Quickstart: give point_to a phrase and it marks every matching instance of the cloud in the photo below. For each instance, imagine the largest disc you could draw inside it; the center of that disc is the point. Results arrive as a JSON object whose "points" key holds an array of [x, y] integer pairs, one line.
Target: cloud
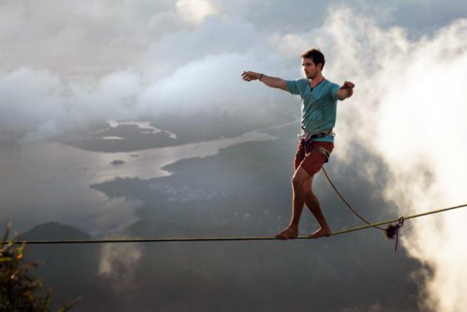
{"points": [[408, 110], [118, 262], [195, 11], [38, 104], [195, 68], [72, 36], [68, 64]]}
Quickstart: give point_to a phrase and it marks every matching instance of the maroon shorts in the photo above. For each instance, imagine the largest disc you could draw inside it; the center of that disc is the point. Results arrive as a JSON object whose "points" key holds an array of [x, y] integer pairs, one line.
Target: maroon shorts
{"points": [[310, 158]]}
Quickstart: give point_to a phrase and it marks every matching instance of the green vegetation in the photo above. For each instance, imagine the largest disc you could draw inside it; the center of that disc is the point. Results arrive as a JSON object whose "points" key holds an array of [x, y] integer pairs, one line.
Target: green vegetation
{"points": [[19, 290]]}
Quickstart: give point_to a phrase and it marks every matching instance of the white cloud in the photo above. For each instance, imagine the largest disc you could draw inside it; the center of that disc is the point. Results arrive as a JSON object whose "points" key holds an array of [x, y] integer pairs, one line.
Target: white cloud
{"points": [[75, 36], [195, 11], [408, 110], [118, 263], [38, 104], [193, 70]]}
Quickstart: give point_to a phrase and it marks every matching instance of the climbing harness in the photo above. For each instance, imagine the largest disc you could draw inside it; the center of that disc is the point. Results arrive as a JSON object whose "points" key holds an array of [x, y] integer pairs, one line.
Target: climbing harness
{"points": [[310, 136], [323, 151], [307, 138]]}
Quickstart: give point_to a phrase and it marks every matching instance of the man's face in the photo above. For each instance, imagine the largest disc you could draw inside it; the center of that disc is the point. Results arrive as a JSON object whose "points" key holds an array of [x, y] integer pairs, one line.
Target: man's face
{"points": [[311, 70]]}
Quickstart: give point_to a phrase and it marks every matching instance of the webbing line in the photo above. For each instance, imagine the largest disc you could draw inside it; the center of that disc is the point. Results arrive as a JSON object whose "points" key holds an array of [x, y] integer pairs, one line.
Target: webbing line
{"points": [[217, 239]]}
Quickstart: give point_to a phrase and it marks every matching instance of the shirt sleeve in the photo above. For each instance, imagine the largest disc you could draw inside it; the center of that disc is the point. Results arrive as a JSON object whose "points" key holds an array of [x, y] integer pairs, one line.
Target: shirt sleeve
{"points": [[292, 86], [334, 88]]}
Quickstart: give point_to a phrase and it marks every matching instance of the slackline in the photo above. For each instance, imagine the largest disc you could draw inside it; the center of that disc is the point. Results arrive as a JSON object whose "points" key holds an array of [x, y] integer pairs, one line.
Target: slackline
{"points": [[217, 239]]}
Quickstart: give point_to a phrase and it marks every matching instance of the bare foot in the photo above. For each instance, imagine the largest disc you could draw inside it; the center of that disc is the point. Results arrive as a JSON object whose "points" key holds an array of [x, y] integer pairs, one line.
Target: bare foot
{"points": [[288, 233], [320, 233]]}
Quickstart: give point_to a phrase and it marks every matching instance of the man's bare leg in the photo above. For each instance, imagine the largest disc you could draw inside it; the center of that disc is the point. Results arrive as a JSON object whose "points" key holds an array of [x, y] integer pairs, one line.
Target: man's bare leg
{"points": [[299, 181], [315, 208]]}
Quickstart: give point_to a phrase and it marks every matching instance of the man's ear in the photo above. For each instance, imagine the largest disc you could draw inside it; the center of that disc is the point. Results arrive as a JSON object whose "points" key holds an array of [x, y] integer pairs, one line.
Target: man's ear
{"points": [[320, 66]]}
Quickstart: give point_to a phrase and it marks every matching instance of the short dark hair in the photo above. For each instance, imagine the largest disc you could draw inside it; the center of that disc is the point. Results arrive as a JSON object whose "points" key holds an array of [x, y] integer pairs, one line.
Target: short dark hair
{"points": [[316, 56]]}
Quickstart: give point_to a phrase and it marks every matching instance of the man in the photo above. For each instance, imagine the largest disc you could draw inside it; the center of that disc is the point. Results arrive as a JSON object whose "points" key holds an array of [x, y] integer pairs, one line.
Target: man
{"points": [[319, 102]]}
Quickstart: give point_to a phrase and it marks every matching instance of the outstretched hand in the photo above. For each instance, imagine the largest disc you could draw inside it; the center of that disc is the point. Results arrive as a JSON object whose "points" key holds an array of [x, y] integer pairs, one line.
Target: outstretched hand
{"points": [[249, 75], [348, 85], [346, 90]]}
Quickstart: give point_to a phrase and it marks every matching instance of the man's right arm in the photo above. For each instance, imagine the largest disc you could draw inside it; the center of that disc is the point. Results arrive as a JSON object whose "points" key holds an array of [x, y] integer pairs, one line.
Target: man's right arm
{"points": [[272, 82]]}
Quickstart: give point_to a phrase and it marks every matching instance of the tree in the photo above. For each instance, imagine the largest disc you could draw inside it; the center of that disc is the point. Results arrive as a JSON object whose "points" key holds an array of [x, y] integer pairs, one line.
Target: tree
{"points": [[19, 290]]}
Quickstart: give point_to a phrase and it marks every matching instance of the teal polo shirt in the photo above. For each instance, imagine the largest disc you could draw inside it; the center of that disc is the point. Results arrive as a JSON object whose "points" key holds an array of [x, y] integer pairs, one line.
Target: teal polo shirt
{"points": [[319, 106]]}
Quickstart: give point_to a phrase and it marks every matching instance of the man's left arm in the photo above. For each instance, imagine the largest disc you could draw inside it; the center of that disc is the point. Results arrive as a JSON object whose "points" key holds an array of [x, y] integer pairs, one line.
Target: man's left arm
{"points": [[346, 90]]}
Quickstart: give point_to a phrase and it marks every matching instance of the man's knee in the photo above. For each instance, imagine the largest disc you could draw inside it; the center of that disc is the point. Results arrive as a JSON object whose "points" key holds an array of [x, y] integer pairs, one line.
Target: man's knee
{"points": [[301, 178]]}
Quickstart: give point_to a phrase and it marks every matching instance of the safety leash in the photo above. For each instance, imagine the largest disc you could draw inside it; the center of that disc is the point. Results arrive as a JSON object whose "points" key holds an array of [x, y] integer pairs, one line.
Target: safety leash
{"points": [[391, 231]]}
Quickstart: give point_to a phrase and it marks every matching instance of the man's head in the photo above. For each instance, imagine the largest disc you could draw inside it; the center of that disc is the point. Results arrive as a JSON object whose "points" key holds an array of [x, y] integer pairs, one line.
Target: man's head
{"points": [[313, 63]]}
